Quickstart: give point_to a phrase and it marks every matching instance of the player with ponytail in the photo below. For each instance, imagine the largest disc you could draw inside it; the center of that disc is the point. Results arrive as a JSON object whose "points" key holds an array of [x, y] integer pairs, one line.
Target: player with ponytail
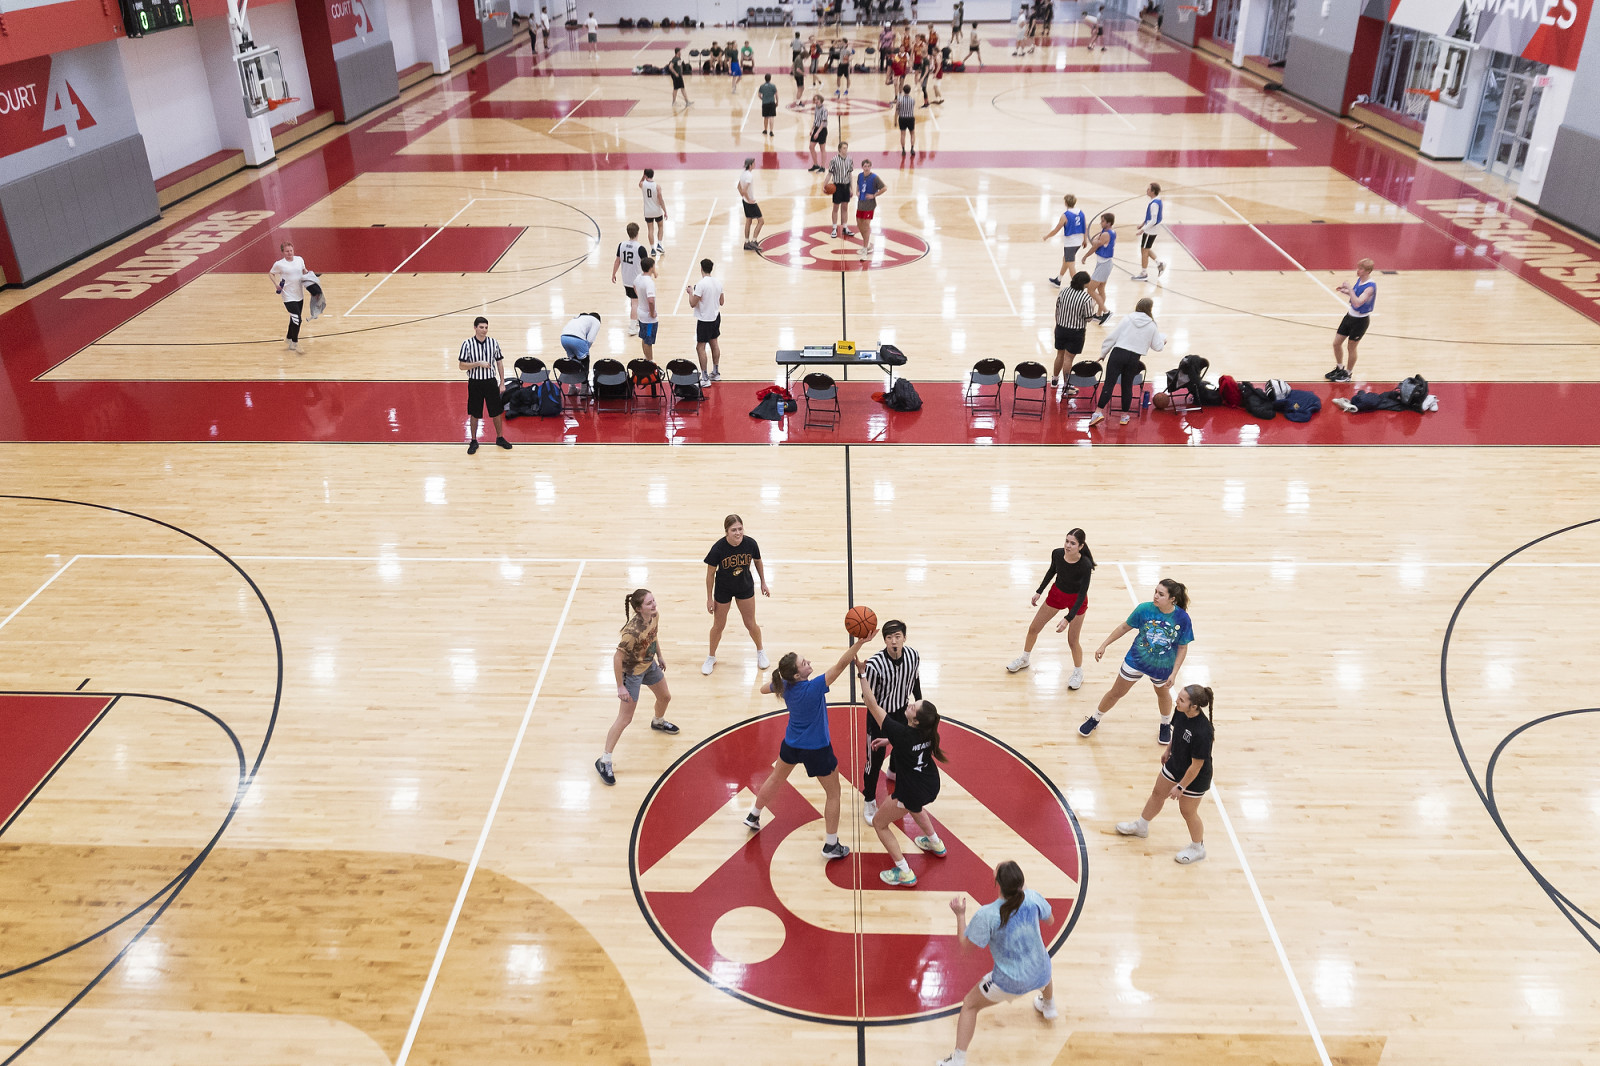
{"points": [[1010, 928], [1185, 772], [638, 661], [1070, 568], [914, 760], [1164, 634]]}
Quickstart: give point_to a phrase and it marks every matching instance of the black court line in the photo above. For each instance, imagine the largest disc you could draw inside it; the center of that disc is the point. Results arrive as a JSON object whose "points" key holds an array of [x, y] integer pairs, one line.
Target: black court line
{"points": [[7, 824], [80, 686], [247, 775], [1485, 790], [850, 601]]}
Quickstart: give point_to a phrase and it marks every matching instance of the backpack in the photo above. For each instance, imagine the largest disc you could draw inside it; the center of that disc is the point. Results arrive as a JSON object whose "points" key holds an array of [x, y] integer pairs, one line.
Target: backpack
{"points": [[1413, 390], [1300, 405], [1228, 388], [1278, 389], [902, 396], [889, 355], [547, 399]]}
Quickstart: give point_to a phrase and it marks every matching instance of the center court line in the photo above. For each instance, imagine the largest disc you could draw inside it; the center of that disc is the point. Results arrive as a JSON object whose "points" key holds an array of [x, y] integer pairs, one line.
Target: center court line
{"points": [[1261, 904], [408, 258], [488, 824], [818, 561], [1280, 249], [973, 211], [693, 259], [574, 110], [47, 582]]}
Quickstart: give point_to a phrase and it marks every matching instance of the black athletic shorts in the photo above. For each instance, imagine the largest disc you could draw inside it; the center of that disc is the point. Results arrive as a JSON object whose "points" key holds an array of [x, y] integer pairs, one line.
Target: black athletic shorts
{"points": [[819, 136], [704, 332], [1147, 240], [909, 123], [819, 762], [628, 291], [738, 590], [841, 195], [769, 110], [913, 794], [677, 82], [481, 393], [1069, 340], [1354, 327], [752, 210]]}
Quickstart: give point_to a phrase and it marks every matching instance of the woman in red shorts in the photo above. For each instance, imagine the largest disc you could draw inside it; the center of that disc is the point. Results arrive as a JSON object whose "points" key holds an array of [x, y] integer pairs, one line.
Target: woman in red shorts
{"points": [[1071, 566]]}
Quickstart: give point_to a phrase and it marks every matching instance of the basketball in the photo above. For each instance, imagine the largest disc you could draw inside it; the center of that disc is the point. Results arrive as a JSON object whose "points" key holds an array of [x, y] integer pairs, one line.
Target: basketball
{"points": [[860, 622], [830, 188]]}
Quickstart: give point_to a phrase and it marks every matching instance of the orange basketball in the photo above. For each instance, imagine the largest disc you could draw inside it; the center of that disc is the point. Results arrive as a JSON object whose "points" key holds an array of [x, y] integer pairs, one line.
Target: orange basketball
{"points": [[860, 622], [830, 188]]}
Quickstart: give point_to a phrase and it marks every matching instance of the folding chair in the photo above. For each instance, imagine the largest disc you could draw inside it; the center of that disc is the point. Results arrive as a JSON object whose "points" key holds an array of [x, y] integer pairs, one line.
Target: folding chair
{"points": [[1032, 378], [985, 374], [1140, 399], [573, 377], [684, 375], [822, 401], [611, 389], [1081, 389], [532, 371], [649, 393]]}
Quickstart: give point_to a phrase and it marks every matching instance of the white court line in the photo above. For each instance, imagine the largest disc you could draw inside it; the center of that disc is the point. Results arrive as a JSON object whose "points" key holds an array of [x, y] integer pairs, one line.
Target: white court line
{"points": [[408, 258], [1114, 111], [973, 211], [753, 98], [38, 590], [647, 43], [488, 824], [695, 258], [1280, 249], [535, 315], [1261, 904], [822, 561], [574, 111]]}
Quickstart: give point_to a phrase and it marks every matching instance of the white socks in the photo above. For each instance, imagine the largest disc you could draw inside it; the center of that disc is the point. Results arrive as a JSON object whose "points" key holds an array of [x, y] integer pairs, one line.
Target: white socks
{"points": [[1144, 826], [830, 839], [904, 866]]}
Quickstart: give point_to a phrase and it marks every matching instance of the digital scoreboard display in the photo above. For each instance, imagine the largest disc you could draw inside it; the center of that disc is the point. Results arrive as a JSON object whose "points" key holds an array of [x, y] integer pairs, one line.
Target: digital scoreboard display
{"points": [[140, 17]]}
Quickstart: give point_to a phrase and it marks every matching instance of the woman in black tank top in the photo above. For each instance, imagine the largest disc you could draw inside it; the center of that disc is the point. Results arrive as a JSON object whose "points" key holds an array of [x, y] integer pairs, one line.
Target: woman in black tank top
{"points": [[1068, 581]]}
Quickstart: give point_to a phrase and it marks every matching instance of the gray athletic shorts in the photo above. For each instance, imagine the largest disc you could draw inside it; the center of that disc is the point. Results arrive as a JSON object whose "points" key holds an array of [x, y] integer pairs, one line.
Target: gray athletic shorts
{"points": [[651, 676]]}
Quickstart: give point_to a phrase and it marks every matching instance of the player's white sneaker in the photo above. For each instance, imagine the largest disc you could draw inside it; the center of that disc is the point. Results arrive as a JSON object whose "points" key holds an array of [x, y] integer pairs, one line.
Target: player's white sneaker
{"points": [[869, 811], [709, 665], [762, 662], [1046, 1007], [1075, 682], [1135, 829], [1019, 663], [1192, 853]]}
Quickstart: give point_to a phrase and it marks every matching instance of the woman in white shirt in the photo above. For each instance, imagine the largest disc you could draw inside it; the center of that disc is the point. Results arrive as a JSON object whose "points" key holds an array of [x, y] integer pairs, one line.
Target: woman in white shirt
{"points": [[1124, 350], [293, 281], [579, 335]]}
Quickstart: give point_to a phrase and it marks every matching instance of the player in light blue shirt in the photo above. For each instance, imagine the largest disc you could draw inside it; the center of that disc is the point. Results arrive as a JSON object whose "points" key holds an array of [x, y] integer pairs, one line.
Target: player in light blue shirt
{"points": [[1010, 928], [1363, 301], [1164, 635], [1073, 225], [1155, 216]]}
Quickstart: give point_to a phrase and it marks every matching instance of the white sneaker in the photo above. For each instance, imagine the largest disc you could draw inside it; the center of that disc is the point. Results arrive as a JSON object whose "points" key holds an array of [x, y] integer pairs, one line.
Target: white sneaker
{"points": [[633, 327], [762, 662], [709, 665], [1019, 663], [834, 232], [1192, 853], [705, 379], [1141, 276], [1097, 418], [716, 373], [869, 812], [1134, 829], [1046, 1007], [1075, 682]]}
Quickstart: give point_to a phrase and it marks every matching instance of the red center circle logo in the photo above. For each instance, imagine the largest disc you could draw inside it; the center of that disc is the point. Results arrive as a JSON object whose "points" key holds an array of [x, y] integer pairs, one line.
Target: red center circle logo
{"points": [[766, 918], [843, 106], [813, 248]]}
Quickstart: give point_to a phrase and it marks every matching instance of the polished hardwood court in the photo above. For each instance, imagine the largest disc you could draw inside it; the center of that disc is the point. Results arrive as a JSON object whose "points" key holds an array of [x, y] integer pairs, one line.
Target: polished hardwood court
{"points": [[300, 735]]}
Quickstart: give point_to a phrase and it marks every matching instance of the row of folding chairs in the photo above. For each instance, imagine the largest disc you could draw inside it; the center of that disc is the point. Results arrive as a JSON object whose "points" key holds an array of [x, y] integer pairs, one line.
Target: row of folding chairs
{"points": [[641, 385], [767, 16], [1030, 385]]}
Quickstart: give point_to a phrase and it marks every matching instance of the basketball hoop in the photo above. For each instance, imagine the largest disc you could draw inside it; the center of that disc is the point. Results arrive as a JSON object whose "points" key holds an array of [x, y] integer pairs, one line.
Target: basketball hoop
{"points": [[1431, 94], [273, 103], [1187, 11]]}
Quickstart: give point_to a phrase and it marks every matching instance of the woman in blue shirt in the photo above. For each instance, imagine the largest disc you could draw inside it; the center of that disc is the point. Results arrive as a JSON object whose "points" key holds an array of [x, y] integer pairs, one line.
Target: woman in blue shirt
{"points": [[1009, 928], [1162, 642], [805, 740]]}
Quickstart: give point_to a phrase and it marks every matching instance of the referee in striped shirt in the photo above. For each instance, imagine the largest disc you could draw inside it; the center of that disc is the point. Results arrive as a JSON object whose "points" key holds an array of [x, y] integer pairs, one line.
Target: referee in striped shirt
{"points": [[480, 357], [895, 682], [1074, 308]]}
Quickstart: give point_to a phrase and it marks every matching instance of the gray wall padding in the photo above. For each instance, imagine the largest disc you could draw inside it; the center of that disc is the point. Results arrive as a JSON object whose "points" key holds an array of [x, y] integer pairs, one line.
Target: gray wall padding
{"points": [[1316, 73], [367, 79], [1174, 27], [495, 34], [1569, 183], [59, 213]]}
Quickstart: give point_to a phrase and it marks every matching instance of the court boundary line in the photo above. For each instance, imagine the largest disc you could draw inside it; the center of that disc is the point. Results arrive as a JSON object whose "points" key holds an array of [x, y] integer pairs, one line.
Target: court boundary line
{"points": [[562, 120], [984, 237], [384, 280], [1255, 891], [693, 260], [48, 582], [488, 826], [1280, 249]]}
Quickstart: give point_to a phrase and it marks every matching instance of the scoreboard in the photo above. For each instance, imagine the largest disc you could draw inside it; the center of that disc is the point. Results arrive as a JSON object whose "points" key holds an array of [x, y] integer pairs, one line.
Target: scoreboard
{"points": [[140, 17]]}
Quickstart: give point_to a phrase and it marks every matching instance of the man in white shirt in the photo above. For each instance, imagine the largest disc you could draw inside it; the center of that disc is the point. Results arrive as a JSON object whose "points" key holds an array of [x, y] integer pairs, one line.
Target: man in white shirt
{"points": [[705, 297], [544, 27], [649, 317], [630, 253], [579, 335], [752, 210], [655, 212], [292, 282], [591, 26]]}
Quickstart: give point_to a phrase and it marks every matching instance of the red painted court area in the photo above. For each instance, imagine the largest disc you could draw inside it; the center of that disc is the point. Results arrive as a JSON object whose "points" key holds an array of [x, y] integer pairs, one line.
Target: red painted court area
{"points": [[36, 734], [380, 249], [1132, 105], [550, 109]]}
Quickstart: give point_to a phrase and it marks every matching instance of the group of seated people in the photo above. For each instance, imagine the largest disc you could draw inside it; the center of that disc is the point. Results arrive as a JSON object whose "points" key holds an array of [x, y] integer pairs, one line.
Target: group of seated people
{"points": [[719, 58]]}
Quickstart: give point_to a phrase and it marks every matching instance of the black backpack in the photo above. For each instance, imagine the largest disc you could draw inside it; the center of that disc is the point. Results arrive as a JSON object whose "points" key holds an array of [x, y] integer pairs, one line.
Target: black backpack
{"points": [[547, 399], [902, 396], [1413, 390], [889, 355]]}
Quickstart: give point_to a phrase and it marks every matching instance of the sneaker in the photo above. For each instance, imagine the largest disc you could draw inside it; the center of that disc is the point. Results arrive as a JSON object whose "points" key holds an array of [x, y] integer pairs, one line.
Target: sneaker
{"points": [[1019, 663], [869, 811], [709, 665], [661, 725], [835, 851], [1096, 418], [1123, 420], [864, 253], [834, 232], [501, 442], [1333, 375], [938, 850], [603, 768], [1056, 282], [1164, 733], [1192, 853], [1344, 375], [762, 662], [1133, 829], [1141, 276], [658, 249], [1046, 1007], [749, 246], [294, 346], [1102, 317], [752, 820], [633, 327], [705, 379], [1344, 405], [848, 232], [896, 876], [716, 374], [1090, 724], [1075, 682], [1161, 268], [472, 449]]}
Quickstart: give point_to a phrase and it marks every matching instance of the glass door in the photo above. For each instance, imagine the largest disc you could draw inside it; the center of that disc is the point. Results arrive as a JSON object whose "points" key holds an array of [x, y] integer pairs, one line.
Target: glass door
{"points": [[1225, 27], [1503, 131]]}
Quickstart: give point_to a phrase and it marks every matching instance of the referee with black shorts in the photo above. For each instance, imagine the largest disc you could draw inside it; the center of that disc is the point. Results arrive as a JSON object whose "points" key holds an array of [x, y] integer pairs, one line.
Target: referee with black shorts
{"points": [[896, 681], [1073, 311], [480, 357]]}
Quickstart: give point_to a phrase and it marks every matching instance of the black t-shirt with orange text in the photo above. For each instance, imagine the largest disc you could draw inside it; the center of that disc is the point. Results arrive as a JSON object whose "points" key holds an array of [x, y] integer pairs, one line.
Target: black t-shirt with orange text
{"points": [[733, 566]]}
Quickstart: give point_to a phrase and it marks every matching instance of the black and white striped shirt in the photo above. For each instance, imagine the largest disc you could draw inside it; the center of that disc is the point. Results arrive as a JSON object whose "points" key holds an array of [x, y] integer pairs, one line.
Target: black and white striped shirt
{"points": [[894, 681], [1073, 308], [473, 348]]}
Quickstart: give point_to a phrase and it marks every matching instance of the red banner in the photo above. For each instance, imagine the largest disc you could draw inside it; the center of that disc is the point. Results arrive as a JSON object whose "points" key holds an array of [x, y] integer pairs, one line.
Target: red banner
{"points": [[37, 105], [347, 19]]}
